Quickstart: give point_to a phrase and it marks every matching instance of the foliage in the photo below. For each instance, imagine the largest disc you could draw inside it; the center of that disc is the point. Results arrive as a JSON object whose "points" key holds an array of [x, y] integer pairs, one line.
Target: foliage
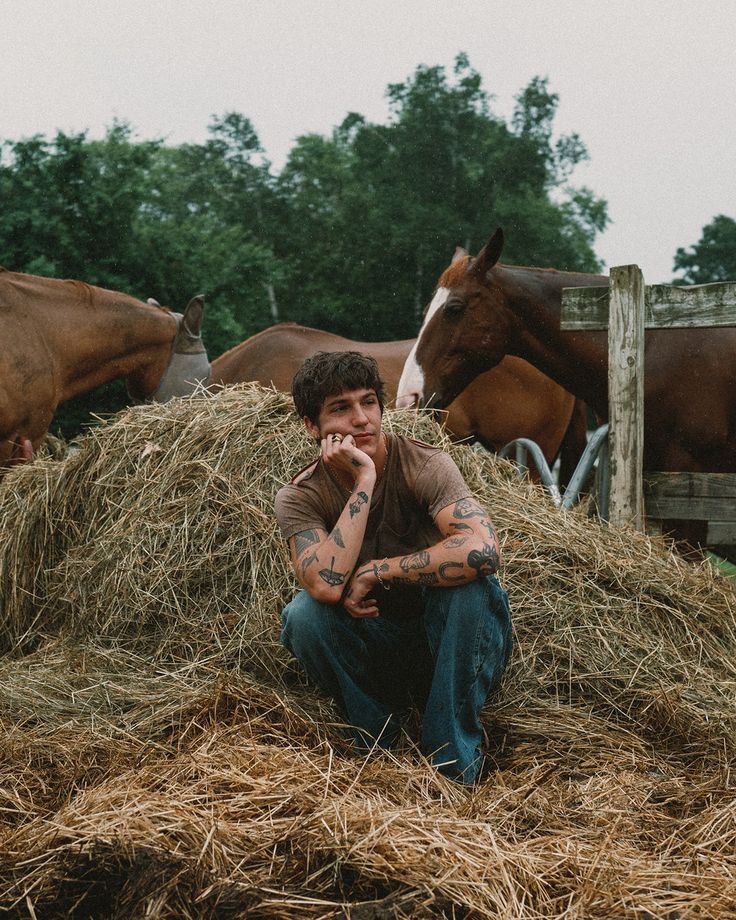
{"points": [[713, 257], [380, 207], [350, 236]]}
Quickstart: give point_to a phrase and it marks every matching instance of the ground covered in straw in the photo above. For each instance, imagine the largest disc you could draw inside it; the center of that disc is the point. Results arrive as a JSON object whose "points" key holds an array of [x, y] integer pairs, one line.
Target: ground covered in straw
{"points": [[160, 757]]}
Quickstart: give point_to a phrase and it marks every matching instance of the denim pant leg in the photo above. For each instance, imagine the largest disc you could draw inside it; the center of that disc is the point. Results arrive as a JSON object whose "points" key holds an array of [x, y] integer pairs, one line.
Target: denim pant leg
{"points": [[359, 662], [469, 634]]}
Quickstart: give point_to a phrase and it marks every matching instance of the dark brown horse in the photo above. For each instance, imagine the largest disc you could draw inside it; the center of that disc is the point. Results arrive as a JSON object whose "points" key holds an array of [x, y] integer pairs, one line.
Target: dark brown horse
{"points": [[514, 400], [63, 338], [487, 310]]}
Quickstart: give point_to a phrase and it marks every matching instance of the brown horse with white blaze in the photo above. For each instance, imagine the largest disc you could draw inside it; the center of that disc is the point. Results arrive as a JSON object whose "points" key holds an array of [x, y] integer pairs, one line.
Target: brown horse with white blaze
{"points": [[63, 338], [514, 400], [491, 310]]}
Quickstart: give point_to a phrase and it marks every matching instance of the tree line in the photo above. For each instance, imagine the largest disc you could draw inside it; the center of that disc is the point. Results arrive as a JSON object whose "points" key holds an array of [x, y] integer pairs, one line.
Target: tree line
{"points": [[350, 235]]}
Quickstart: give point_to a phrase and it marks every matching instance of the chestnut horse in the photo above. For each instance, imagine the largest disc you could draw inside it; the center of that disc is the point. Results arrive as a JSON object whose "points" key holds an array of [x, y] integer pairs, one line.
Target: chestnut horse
{"points": [[486, 310], [514, 400], [63, 338]]}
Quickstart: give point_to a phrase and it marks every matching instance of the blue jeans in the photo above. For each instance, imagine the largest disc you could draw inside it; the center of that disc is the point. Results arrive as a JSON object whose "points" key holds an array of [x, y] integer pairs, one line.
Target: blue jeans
{"points": [[453, 655]]}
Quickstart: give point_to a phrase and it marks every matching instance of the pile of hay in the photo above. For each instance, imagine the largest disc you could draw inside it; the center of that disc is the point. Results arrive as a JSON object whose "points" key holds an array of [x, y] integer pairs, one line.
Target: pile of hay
{"points": [[162, 757]]}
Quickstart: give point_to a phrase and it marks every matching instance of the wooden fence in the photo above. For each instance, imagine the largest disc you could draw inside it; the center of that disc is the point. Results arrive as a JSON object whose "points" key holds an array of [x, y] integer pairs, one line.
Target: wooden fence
{"points": [[626, 307]]}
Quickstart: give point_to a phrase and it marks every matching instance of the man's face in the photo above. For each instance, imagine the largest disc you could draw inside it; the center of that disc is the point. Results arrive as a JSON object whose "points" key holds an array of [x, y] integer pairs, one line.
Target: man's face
{"points": [[355, 412]]}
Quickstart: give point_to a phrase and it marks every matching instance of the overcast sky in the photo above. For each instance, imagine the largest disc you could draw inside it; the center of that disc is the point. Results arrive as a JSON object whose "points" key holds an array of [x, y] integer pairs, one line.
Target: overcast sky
{"points": [[649, 85]]}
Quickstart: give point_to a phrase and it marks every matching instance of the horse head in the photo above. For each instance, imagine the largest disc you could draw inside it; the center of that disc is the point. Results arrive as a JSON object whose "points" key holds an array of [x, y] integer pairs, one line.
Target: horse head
{"points": [[467, 330], [186, 363]]}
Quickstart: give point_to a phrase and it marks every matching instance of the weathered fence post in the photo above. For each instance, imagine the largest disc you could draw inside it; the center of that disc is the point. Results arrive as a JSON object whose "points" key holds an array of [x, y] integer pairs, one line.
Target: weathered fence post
{"points": [[626, 307], [626, 395]]}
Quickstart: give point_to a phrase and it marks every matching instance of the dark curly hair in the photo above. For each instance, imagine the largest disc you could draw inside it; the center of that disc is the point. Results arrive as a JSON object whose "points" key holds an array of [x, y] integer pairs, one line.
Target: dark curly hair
{"points": [[328, 373]]}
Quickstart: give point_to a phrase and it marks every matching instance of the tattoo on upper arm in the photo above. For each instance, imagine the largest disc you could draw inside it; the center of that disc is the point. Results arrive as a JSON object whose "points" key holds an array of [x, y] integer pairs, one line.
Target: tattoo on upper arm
{"points": [[456, 526], [308, 561], [467, 508], [360, 499], [337, 537], [490, 528], [303, 540], [331, 576], [415, 561]]}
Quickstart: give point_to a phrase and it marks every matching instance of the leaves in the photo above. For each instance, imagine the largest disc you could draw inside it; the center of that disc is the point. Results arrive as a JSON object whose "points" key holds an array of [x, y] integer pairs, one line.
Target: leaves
{"points": [[713, 257]]}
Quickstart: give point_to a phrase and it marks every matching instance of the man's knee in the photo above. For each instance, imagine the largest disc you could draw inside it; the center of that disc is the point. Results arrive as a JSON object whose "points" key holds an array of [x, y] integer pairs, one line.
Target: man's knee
{"points": [[303, 621], [474, 598]]}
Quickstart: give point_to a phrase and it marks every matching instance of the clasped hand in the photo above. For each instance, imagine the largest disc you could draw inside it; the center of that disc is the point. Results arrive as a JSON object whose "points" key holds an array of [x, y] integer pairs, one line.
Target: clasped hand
{"points": [[355, 600]]}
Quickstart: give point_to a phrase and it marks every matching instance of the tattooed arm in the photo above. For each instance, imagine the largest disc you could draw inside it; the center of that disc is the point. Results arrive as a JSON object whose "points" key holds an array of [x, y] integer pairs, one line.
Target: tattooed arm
{"points": [[323, 562], [468, 549]]}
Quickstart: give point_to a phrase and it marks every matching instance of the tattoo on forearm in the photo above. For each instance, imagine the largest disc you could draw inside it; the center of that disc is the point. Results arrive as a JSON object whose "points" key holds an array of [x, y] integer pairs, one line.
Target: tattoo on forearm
{"points": [[467, 508], [415, 561], [331, 576], [360, 499], [484, 561], [420, 578], [445, 571], [454, 541], [308, 561], [337, 537], [303, 540], [489, 527]]}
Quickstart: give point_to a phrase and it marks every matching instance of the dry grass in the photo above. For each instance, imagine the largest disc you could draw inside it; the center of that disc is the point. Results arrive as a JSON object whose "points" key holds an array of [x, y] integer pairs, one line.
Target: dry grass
{"points": [[162, 758]]}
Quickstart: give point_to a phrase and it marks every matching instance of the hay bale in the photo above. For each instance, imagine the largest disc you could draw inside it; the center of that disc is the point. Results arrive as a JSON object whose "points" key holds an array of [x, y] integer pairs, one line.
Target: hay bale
{"points": [[164, 757]]}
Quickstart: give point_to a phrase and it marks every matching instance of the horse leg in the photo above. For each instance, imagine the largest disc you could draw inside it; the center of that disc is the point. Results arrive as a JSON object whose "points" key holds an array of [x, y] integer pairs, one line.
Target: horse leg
{"points": [[574, 442], [22, 452]]}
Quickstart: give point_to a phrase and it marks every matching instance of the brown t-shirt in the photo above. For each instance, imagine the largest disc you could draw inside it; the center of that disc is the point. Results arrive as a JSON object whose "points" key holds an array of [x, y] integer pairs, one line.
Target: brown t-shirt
{"points": [[419, 481]]}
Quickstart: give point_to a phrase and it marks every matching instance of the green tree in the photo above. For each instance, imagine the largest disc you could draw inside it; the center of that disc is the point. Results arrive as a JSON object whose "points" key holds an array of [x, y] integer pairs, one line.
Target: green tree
{"points": [[205, 226], [376, 210], [69, 205], [713, 257]]}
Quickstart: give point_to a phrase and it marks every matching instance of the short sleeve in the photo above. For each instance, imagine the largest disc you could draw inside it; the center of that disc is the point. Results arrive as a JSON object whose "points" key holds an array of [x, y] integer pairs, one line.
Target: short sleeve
{"points": [[440, 483], [295, 511]]}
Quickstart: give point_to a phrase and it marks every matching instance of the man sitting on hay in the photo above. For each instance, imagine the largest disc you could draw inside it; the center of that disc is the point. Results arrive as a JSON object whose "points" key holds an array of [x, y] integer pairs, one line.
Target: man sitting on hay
{"points": [[397, 562]]}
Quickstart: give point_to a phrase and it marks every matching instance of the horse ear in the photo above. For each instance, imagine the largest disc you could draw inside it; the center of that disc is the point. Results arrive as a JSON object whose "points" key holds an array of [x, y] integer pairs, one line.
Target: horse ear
{"points": [[194, 313], [153, 302], [460, 253], [488, 256]]}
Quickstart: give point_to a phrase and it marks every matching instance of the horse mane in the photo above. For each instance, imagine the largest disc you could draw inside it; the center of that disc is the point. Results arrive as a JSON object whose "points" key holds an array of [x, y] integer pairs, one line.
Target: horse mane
{"points": [[453, 275]]}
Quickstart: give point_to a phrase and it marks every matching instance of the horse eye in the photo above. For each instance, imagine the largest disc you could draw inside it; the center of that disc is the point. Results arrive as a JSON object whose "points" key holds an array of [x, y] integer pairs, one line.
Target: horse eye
{"points": [[454, 306]]}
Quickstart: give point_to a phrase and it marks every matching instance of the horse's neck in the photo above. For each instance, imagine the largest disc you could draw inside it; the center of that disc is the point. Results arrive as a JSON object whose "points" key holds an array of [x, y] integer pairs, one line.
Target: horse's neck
{"points": [[94, 335], [576, 360]]}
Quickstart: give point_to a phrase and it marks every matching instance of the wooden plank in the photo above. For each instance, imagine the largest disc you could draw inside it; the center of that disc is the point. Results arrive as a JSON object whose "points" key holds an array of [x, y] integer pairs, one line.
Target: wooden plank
{"points": [[669, 306], [666, 306], [584, 308], [626, 396], [691, 496], [721, 533]]}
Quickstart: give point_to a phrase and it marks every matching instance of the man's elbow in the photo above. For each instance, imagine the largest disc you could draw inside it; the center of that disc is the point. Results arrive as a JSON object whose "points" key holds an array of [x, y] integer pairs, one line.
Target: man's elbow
{"points": [[324, 594], [485, 558]]}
